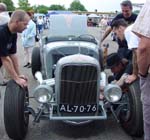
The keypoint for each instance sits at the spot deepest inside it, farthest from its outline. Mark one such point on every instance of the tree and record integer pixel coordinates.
(24, 5)
(10, 4)
(77, 6)
(42, 9)
(56, 7)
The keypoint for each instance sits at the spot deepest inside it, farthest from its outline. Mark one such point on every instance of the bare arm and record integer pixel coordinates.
(15, 63)
(107, 32)
(134, 62)
(143, 55)
(7, 63)
(134, 74)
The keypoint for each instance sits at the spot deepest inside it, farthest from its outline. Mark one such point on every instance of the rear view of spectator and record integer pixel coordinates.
(104, 23)
(40, 23)
(90, 23)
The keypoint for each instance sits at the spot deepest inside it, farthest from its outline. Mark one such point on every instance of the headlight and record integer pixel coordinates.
(43, 93)
(112, 93)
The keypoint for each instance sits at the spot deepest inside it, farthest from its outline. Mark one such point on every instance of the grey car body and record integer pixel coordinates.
(68, 67)
(71, 61)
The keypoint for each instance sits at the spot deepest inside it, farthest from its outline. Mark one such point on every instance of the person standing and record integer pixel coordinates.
(8, 37)
(129, 17)
(28, 40)
(4, 18)
(40, 23)
(141, 28)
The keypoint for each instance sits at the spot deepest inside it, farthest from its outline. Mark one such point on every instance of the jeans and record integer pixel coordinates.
(145, 97)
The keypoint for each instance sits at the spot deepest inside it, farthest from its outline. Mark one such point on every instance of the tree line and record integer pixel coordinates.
(25, 5)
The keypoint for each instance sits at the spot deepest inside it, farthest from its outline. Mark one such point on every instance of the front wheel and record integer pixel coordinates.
(131, 116)
(36, 61)
(16, 117)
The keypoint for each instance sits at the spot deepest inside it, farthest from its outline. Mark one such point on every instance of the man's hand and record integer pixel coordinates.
(21, 81)
(130, 78)
(23, 77)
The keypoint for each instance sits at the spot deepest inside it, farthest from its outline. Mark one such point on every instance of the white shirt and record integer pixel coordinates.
(40, 21)
(4, 18)
(131, 38)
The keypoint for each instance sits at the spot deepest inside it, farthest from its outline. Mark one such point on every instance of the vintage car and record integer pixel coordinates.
(68, 66)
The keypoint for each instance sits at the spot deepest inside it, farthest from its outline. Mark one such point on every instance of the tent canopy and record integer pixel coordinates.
(93, 16)
(58, 12)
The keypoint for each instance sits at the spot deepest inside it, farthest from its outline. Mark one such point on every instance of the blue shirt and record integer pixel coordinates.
(28, 35)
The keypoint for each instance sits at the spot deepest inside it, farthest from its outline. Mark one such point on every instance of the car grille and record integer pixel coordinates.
(78, 85)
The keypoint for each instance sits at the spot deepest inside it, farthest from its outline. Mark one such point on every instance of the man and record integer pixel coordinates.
(120, 68)
(123, 31)
(8, 37)
(142, 29)
(40, 23)
(129, 17)
(28, 40)
(4, 18)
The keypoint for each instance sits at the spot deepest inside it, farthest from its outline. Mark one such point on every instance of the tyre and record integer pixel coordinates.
(35, 61)
(131, 116)
(16, 120)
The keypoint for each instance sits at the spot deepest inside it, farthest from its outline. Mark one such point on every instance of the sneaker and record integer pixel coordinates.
(26, 64)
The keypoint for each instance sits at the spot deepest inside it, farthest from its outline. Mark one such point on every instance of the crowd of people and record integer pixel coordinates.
(131, 60)
(133, 38)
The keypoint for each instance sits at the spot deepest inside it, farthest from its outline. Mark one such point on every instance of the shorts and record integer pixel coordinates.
(141, 25)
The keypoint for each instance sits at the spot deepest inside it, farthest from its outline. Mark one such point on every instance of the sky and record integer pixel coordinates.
(90, 5)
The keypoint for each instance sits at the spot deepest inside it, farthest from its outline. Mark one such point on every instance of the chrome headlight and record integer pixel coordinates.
(112, 93)
(43, 93)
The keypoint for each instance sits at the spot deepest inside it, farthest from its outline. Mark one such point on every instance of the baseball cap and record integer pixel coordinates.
(113, 60)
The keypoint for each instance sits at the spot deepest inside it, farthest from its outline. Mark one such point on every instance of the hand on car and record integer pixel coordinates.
(23, 77)
(21, 81)
(130, 78)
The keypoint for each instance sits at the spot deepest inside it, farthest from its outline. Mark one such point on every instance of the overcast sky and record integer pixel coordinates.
(90, 5)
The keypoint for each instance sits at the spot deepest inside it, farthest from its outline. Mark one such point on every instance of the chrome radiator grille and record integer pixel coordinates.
(78, 85)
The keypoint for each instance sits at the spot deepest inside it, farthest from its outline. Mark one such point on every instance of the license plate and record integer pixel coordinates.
(77, 108)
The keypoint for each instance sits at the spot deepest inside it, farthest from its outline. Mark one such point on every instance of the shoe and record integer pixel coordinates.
(26, 64)
(29, 66)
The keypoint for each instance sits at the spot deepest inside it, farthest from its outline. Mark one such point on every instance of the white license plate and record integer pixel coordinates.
(77, 108)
